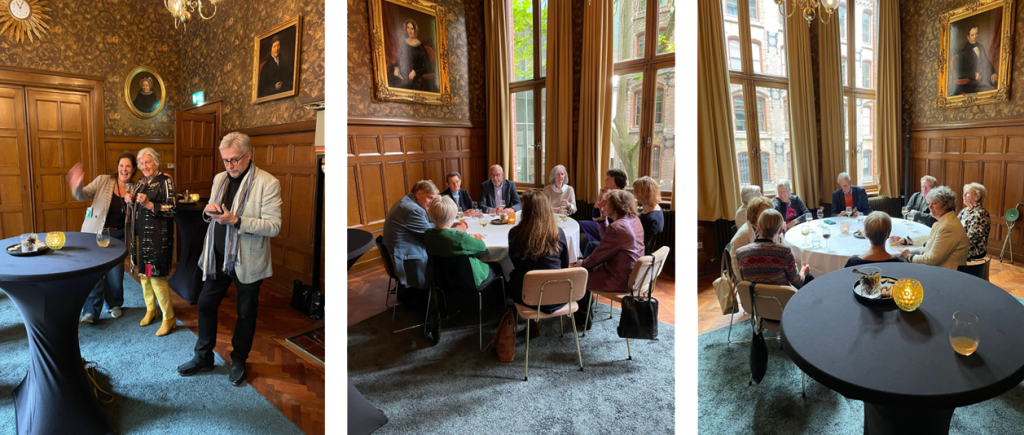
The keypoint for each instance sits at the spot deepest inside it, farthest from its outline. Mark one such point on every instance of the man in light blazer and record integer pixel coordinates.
(497, 189)
(244, 213)
(859, 198)
(917, 201)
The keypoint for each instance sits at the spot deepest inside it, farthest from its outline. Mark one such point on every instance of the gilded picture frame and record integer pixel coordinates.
(410, 51)
(975, 55)
(144, 92)
(276, 58)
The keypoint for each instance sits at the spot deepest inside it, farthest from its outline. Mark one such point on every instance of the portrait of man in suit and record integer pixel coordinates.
(974, 53)
(276, 70)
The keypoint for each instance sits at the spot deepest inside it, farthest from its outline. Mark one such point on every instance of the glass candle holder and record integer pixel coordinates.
(844, 227)
(908, 294)
(55, 240)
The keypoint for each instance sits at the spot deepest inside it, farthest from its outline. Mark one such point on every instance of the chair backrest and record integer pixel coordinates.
(727, 269)
(646, 270)
(649, 244)
(553, 283)
(771, 299)
(452, 273)
(977, 269)
(389, 261)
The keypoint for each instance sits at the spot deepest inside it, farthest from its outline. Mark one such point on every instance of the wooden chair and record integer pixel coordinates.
(552, 286)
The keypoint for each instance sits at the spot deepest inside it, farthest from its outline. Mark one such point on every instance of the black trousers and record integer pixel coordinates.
(209, 302)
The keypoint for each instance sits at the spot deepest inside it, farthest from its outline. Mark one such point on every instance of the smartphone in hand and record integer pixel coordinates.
(214, 212)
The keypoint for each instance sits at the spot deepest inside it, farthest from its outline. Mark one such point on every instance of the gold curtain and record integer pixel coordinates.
(496, 64)
(718, 187)
(831, 101)
(595, 100)
(803, 131)
(888, 119)
(558, 118)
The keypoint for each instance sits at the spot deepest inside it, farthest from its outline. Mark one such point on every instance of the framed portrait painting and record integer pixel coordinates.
(275, 70)
(976, 54)
(144, 92)
(410, 51)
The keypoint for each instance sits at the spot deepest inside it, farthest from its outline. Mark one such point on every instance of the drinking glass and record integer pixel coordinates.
(103, 238)
(905, 211)
(821, 213)
(808, 217)
(805, 229)
(963, 333)
(849, 211)
(826, 233)
(28, 242)
(815, 240)
(501, 204)
(911, 215)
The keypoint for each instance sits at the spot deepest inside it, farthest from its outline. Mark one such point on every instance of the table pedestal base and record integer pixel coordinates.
(881, 420)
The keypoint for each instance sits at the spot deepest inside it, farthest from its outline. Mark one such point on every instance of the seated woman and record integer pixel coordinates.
(767, 262)
(975, 220)
(748, 231)
(877, 227)
(947, 244)
(558, 192)
(789, 205)
(648, 194)
(621, 246)
(445, 241)
(535, 243)
(747, 193)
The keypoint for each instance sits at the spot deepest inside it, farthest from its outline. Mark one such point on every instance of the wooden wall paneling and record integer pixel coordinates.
(971, 172)
(935, 146)
(972, 145)
(918, 145)
(954, 180)
(1014, 144)
(397, 184)
(918, 168)
(15, 200)
(994, 144)
(435, 172)
(355, 213)
(196, 157)
(953, 145)
(935, 167)
(371, 177)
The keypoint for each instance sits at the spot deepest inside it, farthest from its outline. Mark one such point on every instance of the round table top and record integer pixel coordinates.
(359, 242)
(79, 256)
(881, 354)
(496, 236)
(843, 246)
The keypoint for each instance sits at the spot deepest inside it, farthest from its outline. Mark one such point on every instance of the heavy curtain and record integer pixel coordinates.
(831, 94)
(497, 66)
(595, 100)
(718, 189)
(558, 122)
(803, 130)
(887, 148)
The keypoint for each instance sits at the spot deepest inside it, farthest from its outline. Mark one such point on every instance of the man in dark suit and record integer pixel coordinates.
(918, 201)
(849, 196)
(499, 189)
(456, 192)
(275, 71)
(974, 67)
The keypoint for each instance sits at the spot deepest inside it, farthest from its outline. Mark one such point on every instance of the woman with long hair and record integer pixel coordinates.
(535, 243)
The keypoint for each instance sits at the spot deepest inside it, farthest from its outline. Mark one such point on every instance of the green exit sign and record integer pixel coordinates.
(197, 97)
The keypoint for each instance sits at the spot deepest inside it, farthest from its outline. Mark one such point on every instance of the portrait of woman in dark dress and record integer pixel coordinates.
(146, 100)
(414, 69)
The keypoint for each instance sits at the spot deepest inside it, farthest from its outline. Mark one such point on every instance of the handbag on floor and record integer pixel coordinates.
(639, 318)
(758, 350)
(307, 300)
(505, 337)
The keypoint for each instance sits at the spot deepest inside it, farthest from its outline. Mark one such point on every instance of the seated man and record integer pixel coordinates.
(918, 202)
(403, 234)
(614, 179)
(498, 189)
(854, 197)
(455, 191)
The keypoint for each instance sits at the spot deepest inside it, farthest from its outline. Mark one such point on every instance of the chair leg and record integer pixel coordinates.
(480, 319)
(572, 320)
(394, 307)
(611, 304)
(803, 380)
(526, 377)
(731, 316)
(561, 328)
(628, 350)
(426, 318)
(587, 322)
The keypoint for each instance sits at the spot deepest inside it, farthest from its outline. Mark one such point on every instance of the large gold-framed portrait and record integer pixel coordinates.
(976, 54)
(410, 51)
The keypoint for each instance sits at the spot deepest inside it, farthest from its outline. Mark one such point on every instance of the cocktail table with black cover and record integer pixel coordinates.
(56, 395)
(359, 242)
(901, 364)
(187, 279)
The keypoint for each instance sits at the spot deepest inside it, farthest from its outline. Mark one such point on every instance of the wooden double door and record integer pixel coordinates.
(43, 133)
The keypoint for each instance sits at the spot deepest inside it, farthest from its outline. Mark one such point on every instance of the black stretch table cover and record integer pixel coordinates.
(56, 395)
(891, 358)
(359, 242)
(187, 279)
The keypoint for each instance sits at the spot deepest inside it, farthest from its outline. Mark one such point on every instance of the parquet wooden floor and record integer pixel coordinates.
(292, 384)
(709, 315)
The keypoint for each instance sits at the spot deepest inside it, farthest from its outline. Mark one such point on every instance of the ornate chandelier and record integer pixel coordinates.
(809, 8)
(182, 10)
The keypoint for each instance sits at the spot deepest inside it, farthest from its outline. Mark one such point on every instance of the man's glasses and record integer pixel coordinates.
(233, 161)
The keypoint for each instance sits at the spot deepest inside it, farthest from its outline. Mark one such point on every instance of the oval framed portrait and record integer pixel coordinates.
(144, 92)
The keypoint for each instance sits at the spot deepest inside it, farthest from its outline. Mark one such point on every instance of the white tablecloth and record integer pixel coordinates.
(842, 247)
(496, 239)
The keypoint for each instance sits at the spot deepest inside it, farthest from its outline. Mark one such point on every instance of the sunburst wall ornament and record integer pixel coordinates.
(21, 18)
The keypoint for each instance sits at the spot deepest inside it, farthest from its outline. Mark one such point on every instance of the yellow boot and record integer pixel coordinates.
(150, 315)
(166, 327)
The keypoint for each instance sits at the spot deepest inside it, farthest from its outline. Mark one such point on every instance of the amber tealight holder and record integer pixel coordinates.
(908, 294)
(55, 240)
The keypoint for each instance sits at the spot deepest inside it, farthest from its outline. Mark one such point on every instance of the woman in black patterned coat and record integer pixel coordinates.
(153, 237)
(975, 220)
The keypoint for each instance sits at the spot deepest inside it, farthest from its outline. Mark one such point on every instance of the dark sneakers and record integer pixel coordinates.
(237, 375)
(194, 366)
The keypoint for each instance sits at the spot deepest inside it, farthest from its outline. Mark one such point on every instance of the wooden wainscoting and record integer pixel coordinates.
(114, 146)
(287, 152)
(386, 157)
(988, 152)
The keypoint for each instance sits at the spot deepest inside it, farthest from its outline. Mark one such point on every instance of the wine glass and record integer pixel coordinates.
(808, 217)
(905, 212)
(849, 211)
(963, 333)
(821, 213)
(805, 229)
(103, 238)
(501, 204)
(826, 232)
(912, 215)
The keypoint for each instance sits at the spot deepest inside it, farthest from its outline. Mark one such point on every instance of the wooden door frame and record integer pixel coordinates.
(61, 81)
(215, 108)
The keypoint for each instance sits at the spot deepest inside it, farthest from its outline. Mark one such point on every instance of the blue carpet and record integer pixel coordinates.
(139, 369)
(727, 405)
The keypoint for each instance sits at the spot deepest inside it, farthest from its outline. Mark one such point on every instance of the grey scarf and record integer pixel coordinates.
(208, 258)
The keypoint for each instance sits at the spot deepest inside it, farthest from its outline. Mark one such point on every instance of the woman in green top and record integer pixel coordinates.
(446, 241)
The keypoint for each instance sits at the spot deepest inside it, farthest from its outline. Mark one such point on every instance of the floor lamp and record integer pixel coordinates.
(1011, 219)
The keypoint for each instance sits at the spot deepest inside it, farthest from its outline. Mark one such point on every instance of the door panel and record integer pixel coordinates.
(15, 201)
(59, 136)
(195, 152)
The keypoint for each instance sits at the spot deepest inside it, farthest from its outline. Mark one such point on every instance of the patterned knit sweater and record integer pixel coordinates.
(766, 262)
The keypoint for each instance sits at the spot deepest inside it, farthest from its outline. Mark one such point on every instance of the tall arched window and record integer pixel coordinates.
(859, 45)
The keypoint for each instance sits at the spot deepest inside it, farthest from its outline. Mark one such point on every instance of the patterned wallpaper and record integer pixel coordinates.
(919, 36)
(108, 39)
(465, 28)
(217, 58)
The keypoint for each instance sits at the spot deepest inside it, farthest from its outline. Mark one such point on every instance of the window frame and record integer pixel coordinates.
(760, 56)
(870, 34)
(739, 50)
(852, 91)
(538, 86)
(762, 116)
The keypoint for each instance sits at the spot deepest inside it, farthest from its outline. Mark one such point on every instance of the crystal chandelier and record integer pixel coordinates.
(182, 10)
(809, 8)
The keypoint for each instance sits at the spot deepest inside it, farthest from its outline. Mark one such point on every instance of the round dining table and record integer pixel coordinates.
(359, 243)
(496, 239)
(840, 247)
(901, 364)
(49, 290)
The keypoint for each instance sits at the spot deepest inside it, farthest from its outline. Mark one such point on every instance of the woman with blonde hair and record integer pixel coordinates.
(652, 219)
(748, 231)
(877, 227)
(152, 247)
(975, 220)
(558, 190)
(445, 241)
(747, 193)
(535, 243)
(767, 262)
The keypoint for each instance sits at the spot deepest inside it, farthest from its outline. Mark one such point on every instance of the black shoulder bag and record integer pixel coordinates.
(758, 350)
(639, 318)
